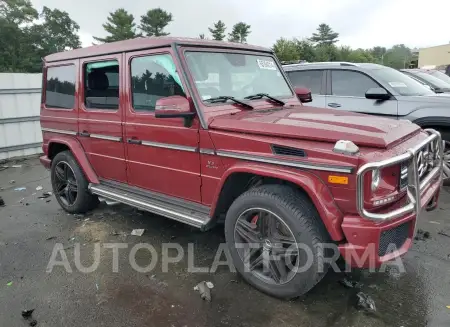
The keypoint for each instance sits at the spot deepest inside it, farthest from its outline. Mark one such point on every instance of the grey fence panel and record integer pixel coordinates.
(20, 130)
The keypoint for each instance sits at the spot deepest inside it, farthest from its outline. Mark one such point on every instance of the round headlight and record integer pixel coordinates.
(375, 179)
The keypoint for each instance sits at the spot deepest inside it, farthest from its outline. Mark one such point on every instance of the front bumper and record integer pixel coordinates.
(375, 238)
(369, 244)
(45, 161)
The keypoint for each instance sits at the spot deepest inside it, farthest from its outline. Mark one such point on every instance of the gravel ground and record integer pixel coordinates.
(30, 228)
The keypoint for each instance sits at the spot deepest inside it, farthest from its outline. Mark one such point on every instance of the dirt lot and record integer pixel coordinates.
(30, 228)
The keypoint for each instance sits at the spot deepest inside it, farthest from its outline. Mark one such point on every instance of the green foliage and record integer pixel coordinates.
(218, 32)
(57, 33)
(326, 52)
(17, 12)
(201, 36)
(399, 56)
(239, 33)
(359, 55)
(154, 22)
(378, 54)
(321, 47)
(120, 25)
(324, 36)
(24, 40)
(286, 50)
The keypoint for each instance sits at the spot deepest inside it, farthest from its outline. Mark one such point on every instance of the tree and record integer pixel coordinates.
(17, 11)
(120, 26)
(346, 53)
(201, 36)
(399, 56)
(239, 33)
(15, 52)
(154, 22)
(378, 53)
(324, 36)
(326, 52)
(58, 32)
(306, 50)
(286, 50)
(218, 32)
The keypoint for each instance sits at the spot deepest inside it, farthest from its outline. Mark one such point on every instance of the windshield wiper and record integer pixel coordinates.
(265, 95)
(225, 98)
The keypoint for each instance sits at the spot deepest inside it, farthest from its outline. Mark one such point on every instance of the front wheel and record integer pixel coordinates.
(446, 166)
(69, 184)
(275, 237)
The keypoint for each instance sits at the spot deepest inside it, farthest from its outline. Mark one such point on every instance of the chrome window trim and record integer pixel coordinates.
(59, 131)
(169, 146)
(106, 137)
(288, 163)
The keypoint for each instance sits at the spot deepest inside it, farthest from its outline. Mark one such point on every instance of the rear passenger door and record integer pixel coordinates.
(313, 80)
(348, 92)
(100, 116)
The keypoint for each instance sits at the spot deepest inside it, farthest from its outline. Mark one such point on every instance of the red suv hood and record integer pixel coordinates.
(318, 124)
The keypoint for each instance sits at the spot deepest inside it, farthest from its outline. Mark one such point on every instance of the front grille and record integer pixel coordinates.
(396, 236)
(424, 162)
(403, 175)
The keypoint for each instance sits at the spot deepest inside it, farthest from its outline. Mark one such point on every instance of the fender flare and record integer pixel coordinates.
(79, 154)
(316, 189)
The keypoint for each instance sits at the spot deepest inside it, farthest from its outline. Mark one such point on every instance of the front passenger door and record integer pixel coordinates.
(348, 92)
(161, 153)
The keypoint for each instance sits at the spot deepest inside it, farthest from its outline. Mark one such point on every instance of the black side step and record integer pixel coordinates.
(161, 205)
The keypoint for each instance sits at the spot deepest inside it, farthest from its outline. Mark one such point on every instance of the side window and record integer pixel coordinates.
(153, 77)
(101, 85)
(349, 83)
(60, 87)
(311, 79)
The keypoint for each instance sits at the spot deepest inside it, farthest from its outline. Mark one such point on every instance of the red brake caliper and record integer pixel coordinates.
(255, 219)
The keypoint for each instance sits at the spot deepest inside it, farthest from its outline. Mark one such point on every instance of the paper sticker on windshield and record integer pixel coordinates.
(266, 64)
(397, 84)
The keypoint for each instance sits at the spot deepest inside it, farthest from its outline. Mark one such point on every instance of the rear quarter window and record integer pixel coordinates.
(60, 87)
(311, 79)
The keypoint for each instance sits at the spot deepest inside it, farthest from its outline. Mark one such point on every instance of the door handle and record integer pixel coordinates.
(134, 140)
(85, 133)
(334, 105)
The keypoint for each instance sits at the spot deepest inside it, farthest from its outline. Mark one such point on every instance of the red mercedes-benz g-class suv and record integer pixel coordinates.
(203, 131)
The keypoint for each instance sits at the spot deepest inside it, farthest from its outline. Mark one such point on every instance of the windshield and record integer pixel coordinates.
(441, 76)
(401, 83)
(432, 80)
(236, 75)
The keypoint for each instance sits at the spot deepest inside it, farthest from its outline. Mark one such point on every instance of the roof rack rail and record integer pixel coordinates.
(340, 63)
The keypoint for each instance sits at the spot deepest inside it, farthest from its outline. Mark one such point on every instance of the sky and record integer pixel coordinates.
(361, 24)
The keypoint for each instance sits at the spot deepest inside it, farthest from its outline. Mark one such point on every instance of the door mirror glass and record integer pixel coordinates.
(303, 94)
(377, 93)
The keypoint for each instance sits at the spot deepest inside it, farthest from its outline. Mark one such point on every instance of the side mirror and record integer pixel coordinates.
(303, 94)
(174, 106)
(377, 93)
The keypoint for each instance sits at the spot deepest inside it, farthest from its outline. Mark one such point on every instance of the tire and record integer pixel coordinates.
(84, 200)
(301, 217)
(445, 134)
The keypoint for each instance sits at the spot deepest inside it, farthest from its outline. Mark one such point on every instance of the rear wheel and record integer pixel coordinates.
(275, 238)
(70, 185)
